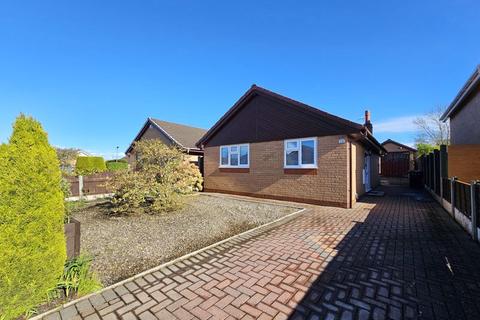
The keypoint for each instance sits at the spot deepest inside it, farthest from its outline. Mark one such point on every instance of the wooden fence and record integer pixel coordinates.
(94, 184)
(460, 198)
(395, 164)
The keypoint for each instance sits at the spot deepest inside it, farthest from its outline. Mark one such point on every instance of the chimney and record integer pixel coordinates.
(368, 123)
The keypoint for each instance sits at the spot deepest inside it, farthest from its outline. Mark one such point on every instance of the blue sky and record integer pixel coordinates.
(93, 71)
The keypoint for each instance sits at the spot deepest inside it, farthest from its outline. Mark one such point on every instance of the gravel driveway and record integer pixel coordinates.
(124, 246)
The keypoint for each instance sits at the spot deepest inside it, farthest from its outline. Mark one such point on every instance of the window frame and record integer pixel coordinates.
(300, 154)
(229, 146)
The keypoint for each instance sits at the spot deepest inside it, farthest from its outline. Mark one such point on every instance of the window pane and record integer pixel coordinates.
(292, 158)
(308, 153)
(224, 160)
(292, 145)
(244, 155)
(234, 149)
(234, 159)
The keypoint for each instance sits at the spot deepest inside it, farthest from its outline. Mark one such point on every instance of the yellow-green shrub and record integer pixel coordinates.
(32, 243)
(89, 165)
(163, 174)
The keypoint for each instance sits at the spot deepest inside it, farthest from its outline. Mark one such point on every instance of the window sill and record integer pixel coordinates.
(303, 171)
(234, 170)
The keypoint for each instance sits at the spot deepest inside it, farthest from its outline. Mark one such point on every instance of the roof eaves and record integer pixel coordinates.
(462, 94)
(373, 141)
(150, 121)
(230, 112)
(308, 108)
(254, 89)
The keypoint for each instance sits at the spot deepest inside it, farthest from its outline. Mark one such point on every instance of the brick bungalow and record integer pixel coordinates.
(169, 133)
(464, 116)
(270, 146)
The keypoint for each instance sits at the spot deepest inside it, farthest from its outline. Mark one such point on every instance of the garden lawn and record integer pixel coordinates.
(124, 246)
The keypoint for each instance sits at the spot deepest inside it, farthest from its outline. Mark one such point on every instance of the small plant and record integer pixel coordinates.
(89, 165)
(77, 277)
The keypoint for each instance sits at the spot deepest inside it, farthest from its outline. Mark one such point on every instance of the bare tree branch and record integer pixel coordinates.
(431, 130)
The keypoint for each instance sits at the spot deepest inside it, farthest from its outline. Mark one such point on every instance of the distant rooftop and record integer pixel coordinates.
(186, 136)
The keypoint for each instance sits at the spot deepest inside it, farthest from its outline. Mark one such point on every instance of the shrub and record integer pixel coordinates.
(113, 165)
(89, 165)
(32, 242)
(163, 174)
(77, 277)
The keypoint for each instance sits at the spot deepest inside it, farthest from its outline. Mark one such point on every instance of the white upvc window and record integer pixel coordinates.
(300, 153)
(235, 156)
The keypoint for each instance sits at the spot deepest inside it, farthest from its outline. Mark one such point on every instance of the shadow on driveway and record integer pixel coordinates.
(407, 260)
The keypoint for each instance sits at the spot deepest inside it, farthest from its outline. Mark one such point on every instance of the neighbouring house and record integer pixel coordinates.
(172, 134)
(464, 116)
(68, 158)
(270, 146)
(399, 160)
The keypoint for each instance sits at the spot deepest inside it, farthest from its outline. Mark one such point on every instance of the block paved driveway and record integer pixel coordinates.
(398, 256)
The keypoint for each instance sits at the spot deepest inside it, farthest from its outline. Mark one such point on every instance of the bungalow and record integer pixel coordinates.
(464, 116)
(170, 133)
(270, 146)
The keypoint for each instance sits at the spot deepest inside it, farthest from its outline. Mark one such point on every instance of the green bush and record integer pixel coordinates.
(77, 278)
(32, 243)
(163, 174)
(113, 165)
(89, 165)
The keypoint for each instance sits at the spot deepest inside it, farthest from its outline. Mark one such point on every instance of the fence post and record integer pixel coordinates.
(473, 202)
(443, 167)
(452, 195)
(435, 170)
(80, 187)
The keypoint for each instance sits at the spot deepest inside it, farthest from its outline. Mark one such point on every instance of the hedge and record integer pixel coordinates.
(89, 165)
(113, 165)
(32, 242)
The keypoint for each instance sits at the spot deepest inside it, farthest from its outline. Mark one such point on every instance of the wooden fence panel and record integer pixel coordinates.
(395, 164)
(92, 184)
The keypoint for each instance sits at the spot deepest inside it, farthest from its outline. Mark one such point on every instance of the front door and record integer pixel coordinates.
(366, 173)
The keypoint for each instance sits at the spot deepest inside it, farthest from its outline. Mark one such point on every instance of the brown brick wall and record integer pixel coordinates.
(464, 161)
(267, 178)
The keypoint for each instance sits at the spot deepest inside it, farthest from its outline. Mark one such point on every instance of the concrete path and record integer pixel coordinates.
(394, 257)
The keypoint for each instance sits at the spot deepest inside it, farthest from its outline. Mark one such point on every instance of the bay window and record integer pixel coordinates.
(235, 156)
(300, 153)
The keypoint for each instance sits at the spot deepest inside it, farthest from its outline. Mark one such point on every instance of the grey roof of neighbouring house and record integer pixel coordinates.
(184, 136)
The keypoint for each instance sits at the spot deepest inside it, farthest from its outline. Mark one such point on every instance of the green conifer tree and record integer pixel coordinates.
(32, 242)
